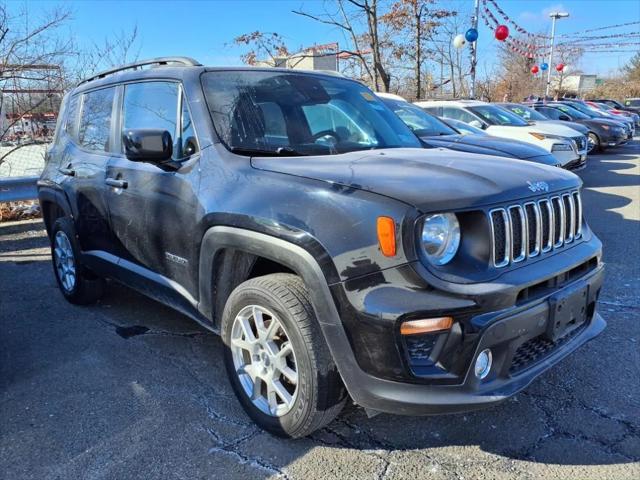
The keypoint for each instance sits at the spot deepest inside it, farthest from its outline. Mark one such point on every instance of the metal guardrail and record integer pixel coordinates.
(15, 189)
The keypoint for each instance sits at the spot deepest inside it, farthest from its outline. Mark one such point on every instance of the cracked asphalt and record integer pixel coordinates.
(131, 389)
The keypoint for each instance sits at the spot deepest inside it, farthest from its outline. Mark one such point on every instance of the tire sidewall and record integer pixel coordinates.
(296, 418)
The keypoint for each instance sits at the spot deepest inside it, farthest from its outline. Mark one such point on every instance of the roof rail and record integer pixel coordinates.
(160, 61)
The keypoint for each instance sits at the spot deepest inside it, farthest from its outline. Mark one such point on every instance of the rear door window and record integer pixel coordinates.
(94, 130)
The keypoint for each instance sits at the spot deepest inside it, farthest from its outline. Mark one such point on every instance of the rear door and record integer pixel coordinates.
(83, 165)
(153, 210)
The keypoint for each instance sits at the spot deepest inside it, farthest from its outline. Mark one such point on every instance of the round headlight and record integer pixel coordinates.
(440, 237)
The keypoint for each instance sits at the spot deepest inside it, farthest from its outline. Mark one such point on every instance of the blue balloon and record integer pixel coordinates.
(544, 66)
(471, 35)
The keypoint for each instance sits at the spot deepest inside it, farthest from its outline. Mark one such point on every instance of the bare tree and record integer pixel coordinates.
(413, 23)
(264, 47)
(31, 81)
(118, 49)
(359, 21)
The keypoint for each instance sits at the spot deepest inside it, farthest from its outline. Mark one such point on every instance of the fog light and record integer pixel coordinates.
(483, 364)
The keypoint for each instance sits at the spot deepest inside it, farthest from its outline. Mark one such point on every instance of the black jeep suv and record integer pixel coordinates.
(296, 215)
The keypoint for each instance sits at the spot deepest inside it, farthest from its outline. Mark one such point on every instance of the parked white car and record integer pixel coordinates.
(561, 141)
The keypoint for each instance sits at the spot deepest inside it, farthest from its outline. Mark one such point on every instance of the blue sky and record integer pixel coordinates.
(204, 29)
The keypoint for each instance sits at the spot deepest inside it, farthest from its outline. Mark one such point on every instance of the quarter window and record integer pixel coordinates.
(188, 142)
(71, 123)
(95, 121)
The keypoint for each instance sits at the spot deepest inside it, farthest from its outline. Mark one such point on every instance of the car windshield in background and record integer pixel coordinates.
(463, 128)
(632, 103)
(575, 114)
(588, 111)
(282, 113)
(420, 122)
(498, 116)
(527, 113)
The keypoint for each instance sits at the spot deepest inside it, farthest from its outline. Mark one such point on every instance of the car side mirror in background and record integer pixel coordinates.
(565, 118)
(147, 145)
(476, 123)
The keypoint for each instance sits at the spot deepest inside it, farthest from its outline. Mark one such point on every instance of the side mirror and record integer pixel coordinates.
(476, 123)
(147, 145)
(564, 118)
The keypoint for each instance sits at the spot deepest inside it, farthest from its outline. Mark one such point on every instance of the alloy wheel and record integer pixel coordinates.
(64, 261)
(264, 360)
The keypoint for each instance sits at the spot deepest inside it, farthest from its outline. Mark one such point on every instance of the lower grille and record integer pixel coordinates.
(581, 142)
(534, 350)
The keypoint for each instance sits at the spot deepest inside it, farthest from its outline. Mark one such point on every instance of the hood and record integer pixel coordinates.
(429, 179)
(605, 121)
(555, 129)
(488, 145)
(572, 125)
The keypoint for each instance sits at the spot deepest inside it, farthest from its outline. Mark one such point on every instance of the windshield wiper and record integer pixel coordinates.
(279, 152)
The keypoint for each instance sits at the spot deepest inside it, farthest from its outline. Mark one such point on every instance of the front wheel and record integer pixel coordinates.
(593, 143)
(277, 360)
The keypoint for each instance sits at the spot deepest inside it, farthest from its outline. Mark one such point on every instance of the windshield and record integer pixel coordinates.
(572, 112)
(282, 113)
(525, 112)
(589, 112)
(420, 122)
(498, 116)
(632, 103)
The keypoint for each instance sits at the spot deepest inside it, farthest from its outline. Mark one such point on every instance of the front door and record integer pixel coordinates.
(153, 210)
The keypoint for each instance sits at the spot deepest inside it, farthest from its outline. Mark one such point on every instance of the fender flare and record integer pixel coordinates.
(302, 263)
(56, 197)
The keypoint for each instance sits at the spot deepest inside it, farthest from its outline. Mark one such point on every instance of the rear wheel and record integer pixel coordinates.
(277, 360)
(78, 285)
(593, 143)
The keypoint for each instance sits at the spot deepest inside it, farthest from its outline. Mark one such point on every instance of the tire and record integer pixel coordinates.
(318, 395)
(597, 146)
(79, 285)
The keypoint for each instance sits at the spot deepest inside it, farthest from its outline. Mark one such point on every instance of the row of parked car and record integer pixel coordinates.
(560, 133)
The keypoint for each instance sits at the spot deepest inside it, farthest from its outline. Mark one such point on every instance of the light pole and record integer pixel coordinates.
(474, 49)
(554, 16)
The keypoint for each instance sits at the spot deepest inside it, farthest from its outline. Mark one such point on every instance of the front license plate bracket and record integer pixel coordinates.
(567, 311)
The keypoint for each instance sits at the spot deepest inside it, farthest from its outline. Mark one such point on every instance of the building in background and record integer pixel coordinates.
(317, 57)
(578, 84)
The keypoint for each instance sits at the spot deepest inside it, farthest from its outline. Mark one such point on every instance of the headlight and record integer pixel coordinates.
(440, 237)
(546, 136)
(561, 147)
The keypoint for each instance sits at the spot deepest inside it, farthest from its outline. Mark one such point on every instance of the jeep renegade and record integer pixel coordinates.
(297, 216)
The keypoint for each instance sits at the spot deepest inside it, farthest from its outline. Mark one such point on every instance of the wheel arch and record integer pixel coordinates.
(53, 205)
(254, 246)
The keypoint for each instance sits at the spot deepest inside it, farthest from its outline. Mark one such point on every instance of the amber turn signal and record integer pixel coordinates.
(426, 325)
(387, 236)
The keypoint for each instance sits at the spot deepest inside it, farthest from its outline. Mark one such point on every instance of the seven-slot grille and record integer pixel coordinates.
(581, 142)
(523, 231)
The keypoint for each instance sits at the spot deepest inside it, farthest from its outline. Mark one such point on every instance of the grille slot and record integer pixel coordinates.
(558, 221)
(534, 230)
(569, 218)
(523, 231)
(518, 234)
(500, 232)
(578, 214)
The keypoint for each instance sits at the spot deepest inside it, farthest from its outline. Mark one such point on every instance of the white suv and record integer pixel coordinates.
(561, 141)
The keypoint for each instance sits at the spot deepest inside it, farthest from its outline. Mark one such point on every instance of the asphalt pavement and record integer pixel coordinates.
(131, 389)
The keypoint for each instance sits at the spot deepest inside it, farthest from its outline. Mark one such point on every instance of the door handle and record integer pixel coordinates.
(67, 171)
(112, 182)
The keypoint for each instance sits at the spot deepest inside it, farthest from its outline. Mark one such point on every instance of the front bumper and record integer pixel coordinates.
(511, 329)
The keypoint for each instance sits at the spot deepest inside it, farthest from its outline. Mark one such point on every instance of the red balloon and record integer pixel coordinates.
(502, 32)
(535, 69)
(560, 67)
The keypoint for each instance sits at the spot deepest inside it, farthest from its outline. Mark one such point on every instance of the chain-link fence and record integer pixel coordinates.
(21, 160)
